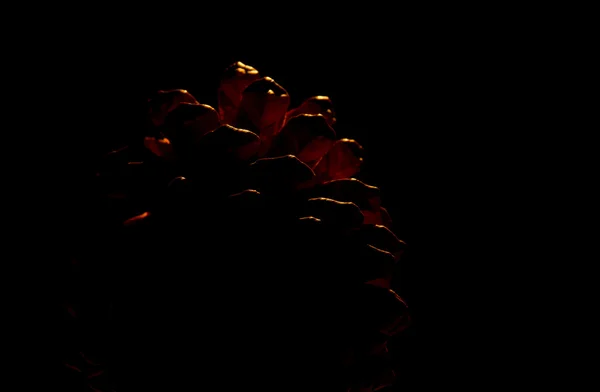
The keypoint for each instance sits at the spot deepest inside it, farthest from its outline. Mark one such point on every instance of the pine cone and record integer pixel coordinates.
(262, 257)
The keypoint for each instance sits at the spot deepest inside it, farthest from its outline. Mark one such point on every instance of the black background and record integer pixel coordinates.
(437, 107)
